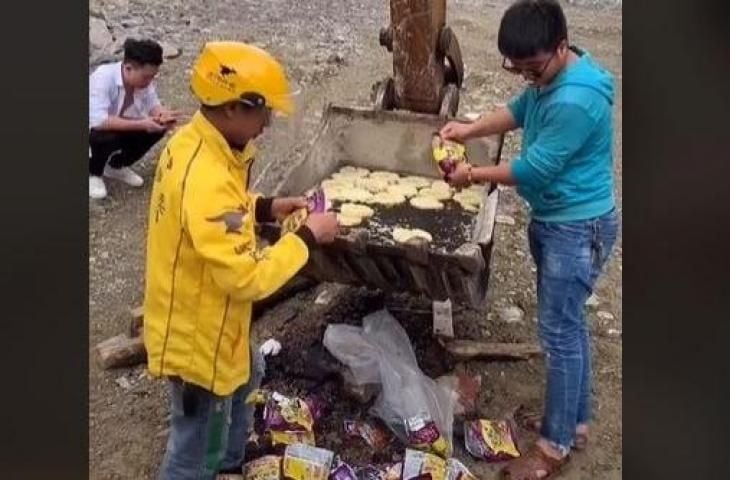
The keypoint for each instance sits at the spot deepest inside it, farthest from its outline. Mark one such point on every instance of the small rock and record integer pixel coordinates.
(323, 298)
(612, 332)
(100, 38)
(605, 315)
(120, 5)
(593, 301)
(336, 59)
(163, 433)
(96, 11)
(123, 382)
(104, 255)
(504, 220)
(512, 314)
(170, 51)
(132, 22)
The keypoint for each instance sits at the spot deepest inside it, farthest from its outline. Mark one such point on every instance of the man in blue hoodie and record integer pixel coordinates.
(565, 172)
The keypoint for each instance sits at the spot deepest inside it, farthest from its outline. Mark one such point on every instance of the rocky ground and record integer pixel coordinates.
(332, 54)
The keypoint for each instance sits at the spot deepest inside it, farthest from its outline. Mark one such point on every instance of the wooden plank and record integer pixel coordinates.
(485, 221)
(121, 351)
(135, 323)
(469, 257)
(472, 349)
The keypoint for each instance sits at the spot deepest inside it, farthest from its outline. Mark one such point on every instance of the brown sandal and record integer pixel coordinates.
(533, 421)
(535, 460)
(580, 442)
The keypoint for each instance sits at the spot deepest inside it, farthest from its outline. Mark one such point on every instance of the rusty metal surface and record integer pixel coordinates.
(395, 141)
(418, 69)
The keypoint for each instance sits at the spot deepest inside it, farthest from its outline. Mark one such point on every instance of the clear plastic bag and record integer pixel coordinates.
(418, 410)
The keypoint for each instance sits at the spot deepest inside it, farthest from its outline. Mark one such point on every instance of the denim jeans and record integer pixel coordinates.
(569, 258)
(211, 436)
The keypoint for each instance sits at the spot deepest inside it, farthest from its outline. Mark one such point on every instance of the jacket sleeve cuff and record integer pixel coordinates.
(263, 210)
(307, 236)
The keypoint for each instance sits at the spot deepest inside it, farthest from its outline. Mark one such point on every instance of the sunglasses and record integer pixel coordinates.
(528, 72)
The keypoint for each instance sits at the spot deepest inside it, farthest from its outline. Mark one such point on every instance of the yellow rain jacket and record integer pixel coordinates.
(203, 267)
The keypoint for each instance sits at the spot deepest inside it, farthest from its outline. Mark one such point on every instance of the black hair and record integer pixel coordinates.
(529, 27)
(142, 52)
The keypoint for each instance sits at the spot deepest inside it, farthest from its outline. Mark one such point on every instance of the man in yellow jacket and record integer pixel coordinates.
(204, 268)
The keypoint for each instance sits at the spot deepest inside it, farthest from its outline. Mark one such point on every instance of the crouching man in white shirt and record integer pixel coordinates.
(125, 115)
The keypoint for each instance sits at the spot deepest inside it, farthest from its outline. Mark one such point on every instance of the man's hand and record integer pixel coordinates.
(149, 125)
(459, 177)
(323, 226)
(166, 118)
(284, 206)
(456, 131)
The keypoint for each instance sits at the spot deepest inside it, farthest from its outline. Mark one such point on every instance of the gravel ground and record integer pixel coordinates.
(332, 54)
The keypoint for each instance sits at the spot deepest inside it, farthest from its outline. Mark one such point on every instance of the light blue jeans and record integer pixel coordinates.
(569, 257)
(211, 436)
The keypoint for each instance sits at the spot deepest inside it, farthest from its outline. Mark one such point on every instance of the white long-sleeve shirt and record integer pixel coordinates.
(106, 96)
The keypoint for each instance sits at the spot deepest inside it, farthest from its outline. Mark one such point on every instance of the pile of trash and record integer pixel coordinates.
(417, 410)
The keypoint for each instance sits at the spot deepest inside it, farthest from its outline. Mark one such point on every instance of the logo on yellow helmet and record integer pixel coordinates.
(226, 70)
(220, 78)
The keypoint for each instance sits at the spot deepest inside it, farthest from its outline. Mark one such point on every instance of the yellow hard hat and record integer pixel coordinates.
(229, 71)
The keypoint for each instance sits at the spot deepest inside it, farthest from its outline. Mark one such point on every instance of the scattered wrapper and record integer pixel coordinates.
(375, 437)
(264, 468)
(491, 441)
(423, 434)
(417, 465)
(304, 462)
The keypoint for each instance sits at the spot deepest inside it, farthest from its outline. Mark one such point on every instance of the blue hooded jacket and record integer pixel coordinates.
(565, 168)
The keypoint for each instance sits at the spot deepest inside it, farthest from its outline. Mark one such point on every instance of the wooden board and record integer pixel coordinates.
(471, 349)
(121, 351)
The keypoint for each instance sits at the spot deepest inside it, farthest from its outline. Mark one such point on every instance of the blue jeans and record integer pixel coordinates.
(569, 258)
(211, 436)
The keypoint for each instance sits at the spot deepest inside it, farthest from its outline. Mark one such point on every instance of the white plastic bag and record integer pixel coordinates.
(410, 403)
(348, 345)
